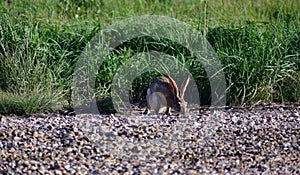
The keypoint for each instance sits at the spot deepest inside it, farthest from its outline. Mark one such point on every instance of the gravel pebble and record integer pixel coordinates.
(236, 140)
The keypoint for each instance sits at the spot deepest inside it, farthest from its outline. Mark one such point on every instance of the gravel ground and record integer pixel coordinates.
(262, 139)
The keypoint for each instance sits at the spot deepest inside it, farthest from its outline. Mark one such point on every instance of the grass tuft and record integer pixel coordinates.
(258, 43)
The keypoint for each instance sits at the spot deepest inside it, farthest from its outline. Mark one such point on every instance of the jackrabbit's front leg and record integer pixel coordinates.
(168, 111)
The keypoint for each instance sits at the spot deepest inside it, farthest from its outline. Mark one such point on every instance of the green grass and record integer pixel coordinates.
(258, 43)
(263, 62)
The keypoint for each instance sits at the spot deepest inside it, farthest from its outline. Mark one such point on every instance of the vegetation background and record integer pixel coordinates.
(257, 41)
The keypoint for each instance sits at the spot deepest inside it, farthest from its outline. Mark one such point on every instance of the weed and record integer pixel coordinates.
(40, 43)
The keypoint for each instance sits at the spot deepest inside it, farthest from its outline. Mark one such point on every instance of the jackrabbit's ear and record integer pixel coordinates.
(184, 85)
(173, 84)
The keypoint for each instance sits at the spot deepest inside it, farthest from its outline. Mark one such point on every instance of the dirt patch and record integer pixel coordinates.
(256, 139)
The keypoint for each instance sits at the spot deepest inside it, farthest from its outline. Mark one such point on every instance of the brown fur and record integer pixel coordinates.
(169, 90)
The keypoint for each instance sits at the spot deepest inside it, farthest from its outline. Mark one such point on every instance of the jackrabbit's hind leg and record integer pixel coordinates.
(157, 109)
(147, 110)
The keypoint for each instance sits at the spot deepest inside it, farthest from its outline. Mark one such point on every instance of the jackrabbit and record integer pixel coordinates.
(162, 95)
